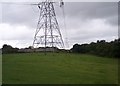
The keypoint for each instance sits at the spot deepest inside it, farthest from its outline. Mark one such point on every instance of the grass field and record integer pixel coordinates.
(59, 68)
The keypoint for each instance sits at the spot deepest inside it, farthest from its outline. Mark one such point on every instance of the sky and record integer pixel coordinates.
(81, 22)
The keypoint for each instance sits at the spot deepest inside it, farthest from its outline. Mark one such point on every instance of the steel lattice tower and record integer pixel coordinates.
(48, 32)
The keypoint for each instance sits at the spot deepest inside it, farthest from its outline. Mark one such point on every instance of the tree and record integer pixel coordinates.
(76, 48)
(101, 48)
(9, 49)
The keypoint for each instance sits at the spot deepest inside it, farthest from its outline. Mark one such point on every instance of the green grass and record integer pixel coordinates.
(59, 68)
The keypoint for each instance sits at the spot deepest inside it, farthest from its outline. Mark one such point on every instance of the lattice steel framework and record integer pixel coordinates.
(48, 32)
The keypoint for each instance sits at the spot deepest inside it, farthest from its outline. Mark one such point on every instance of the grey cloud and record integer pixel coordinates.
(93, 10)
(19, 14)
(112, 20)
(22, 14)
(78, 16)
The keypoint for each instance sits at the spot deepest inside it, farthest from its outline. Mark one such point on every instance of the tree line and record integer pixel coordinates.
(100, 48)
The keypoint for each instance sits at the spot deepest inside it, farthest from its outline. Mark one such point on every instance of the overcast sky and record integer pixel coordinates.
(85, 22)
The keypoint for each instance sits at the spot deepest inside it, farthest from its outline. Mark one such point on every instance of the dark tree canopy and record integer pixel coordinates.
(9, 49)
(101, 48)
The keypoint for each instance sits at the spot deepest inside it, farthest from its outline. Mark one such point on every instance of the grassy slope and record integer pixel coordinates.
(58, 69)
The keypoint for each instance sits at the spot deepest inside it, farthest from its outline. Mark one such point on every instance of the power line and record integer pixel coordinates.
(64, 18)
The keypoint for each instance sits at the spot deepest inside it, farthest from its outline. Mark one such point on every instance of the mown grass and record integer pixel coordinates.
(59, 68)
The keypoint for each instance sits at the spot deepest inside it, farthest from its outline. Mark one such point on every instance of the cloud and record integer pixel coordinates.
(85, 22)
(96, 28)
(92, 10)
(27, 14)
(17, 36)
(92, 30)
(20, 14)
(14, 32)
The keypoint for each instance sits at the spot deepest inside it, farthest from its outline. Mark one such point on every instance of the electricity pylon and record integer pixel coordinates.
(48, 32)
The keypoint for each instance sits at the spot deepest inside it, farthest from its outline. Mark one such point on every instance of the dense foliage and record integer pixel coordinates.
(9, 49)
(101, 48)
